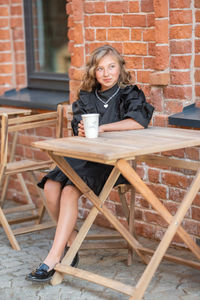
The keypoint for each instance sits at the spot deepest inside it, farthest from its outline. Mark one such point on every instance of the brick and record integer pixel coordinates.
(180, 77)
(157, 78)
(180, 62)
(136, 34)
(196, 4)
(156, 98)
(4, 34)
(116, 21)
(4, 11)
(4, 80)
(135, 48)
(151, 48)
(161, 31)
(180, 32)
(134, 6)
(197, 46)
(89, 34)
(118, 34)
(117, 6)
(149, 35)
(197, 92)
(100, 7)
(174, 179)
(197, 31)
(78, 33)
(101, 35)
(150, 20)
(143, 76)
(134, 20)
(181, 17)
(4, 22)
(192, 153)
(146, 231)
(154, 175)
(180, 153)
(179, 4)
(197, 75)
(173, 106)
(154, 218)
(18, 34)
(149, 62)
(16, 22)
(5, 69)
(4, 2)
(147, 5)
(89, 7)
(77, 8)
(44, 132)
(197, 16)
(69, 9)
(161, 8)
(5, 57)
(180, 47)
(178, 92)
(133, 62)
(77, 59)
(176, 194)
(162, 58)
(16, 10)
(99, 21)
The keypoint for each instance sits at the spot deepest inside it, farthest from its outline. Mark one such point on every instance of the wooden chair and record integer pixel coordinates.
(110, 240)
(9, 166)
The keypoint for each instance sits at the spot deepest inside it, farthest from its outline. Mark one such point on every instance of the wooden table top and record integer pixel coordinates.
(14, 111)
(111, 146)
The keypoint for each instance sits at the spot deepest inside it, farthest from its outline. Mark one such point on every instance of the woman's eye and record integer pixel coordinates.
(112, 66)
(99, 69)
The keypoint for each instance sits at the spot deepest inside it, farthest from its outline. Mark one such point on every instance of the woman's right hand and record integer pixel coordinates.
(81, 131)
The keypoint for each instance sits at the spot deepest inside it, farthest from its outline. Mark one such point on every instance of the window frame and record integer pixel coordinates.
(39, 80)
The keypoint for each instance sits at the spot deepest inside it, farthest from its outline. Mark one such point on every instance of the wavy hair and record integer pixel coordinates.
(89, 82)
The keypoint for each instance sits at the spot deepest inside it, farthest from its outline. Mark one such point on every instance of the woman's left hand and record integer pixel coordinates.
(81, 131)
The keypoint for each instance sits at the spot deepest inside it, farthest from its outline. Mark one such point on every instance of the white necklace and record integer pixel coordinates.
(105, 104)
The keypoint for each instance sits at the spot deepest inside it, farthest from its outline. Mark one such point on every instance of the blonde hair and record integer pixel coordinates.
(89, 82)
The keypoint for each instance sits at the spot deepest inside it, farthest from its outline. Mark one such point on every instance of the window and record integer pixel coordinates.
(48, 58)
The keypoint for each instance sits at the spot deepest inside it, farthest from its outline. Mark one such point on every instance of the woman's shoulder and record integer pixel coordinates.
(131, 90)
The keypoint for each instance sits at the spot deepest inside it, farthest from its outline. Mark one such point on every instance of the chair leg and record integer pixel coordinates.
(4, 189)
(131, 224)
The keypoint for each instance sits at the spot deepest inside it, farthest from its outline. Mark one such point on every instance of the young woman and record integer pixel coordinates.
(106, 89)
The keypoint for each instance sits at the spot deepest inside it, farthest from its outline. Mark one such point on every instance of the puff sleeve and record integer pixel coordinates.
(133, 105)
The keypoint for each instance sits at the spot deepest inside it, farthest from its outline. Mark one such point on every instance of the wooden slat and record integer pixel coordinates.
(25, 165)
(113, 284)
(32, 118)
(19, 208)
(170, 162)
(33, 228)
(105, 245)
(31, 125)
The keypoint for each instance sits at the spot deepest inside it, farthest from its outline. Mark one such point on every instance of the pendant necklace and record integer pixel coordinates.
(105, 104)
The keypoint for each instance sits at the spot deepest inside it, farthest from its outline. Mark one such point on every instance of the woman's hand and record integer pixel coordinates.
(81, 131)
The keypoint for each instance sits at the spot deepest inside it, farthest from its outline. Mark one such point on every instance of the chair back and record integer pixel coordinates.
(17, 124)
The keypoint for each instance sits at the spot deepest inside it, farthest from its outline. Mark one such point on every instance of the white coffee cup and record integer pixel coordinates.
(91, 125)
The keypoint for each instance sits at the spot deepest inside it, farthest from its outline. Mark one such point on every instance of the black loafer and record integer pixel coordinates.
(75, 261)
(41, 274)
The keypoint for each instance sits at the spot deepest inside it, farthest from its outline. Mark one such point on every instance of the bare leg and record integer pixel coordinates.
(66, 222)
(52, 191)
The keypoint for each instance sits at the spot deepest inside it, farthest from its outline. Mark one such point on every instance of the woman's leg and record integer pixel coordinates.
(66, 222)
(52, 191)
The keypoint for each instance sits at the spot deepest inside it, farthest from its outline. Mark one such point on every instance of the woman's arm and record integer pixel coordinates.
(127, 124)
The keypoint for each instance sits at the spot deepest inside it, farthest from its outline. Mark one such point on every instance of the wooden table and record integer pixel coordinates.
(117, 148)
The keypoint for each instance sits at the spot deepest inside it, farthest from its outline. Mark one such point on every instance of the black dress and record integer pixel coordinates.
(129, 102)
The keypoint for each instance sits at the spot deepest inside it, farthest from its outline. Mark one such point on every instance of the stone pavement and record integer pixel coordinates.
(171, 282)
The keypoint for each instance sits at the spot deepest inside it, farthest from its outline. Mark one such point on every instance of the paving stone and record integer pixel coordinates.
(171, 282)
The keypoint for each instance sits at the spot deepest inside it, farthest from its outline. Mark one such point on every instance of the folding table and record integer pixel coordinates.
(117, 149)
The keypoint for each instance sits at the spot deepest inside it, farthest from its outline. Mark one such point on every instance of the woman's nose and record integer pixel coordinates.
(106, 72)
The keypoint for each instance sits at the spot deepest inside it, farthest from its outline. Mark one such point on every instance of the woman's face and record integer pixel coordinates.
(107, 72)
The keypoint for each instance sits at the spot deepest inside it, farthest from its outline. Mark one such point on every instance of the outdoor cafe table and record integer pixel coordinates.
(117, 149)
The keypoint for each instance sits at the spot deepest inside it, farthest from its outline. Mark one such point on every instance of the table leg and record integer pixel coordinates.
(166, 240)
(139, 185)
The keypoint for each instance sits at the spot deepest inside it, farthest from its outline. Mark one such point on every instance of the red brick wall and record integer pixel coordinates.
(160, 40)
(12, 45)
